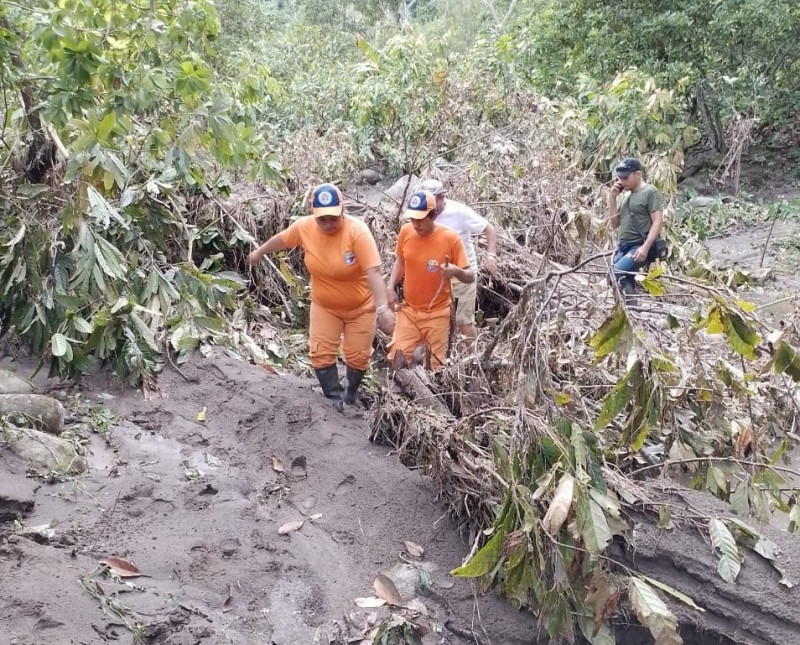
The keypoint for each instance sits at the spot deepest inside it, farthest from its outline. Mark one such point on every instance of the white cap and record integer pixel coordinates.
(433, 186)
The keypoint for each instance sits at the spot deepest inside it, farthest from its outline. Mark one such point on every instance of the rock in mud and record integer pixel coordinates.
(399, 187)
(10, 384)
(369, 176)
(45, 412)
(45, 453)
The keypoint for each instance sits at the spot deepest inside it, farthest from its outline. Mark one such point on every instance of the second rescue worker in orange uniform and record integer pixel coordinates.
(346, 289)
(428, 256)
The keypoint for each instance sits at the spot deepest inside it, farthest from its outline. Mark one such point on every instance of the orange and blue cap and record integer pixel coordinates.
(327, 200)
(420, 204)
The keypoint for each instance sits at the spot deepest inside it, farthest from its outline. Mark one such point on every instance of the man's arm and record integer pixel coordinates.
(490, 263)
(398, 271)
(655, 230)
(272, 245)
(462, 275)
(613, 213)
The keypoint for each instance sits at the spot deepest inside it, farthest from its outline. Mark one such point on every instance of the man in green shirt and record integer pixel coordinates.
(638, 215)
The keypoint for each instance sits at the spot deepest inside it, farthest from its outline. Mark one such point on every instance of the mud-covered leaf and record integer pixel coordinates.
(290, 527)
(653, 613)
(686, 600)
(414, 550)
(369, 603)
(739, 499)
(785, 360)
(606, 339)
(385, 589)
(227, 605)
(794, 519)
(558, 510)
(729, 565)
(277, 464)
(484, 560)
(665, 519)
(767, 549)
(616, 400)
(122, 568)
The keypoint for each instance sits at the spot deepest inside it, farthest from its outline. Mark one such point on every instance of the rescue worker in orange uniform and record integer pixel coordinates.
(428, 257)
(347, 289)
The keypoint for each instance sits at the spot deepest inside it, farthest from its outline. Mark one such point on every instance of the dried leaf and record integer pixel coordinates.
(289, 527)
(369, 603)
(384, 588)
(559, 508)
(121, 568)
(414, 550)
(653, 613)
(201, 416)
(277, 464)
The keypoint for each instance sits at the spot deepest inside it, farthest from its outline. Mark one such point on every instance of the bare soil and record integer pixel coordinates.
(197, 505)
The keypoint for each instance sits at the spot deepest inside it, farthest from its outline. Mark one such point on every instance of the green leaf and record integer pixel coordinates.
(59, 344)
(105, 127)
(741, 337)
(786, 360)
(616, 400)
(484, 560)
(592, 524)
(715, 323)
(653, 613)
(722, 540)
(606, 339)
(82, 325)
(652, 284)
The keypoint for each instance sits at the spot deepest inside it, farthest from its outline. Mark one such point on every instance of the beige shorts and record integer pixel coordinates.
(466, 295)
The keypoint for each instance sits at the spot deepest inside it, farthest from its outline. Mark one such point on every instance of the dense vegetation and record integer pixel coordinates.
(146, 145)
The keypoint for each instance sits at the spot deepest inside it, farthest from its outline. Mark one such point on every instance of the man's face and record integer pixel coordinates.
(330, 224)
(631, 180)
(423, 227)
(440, 202)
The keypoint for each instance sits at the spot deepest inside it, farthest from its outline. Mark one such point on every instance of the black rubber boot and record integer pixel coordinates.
(328, 378)
(354, 378)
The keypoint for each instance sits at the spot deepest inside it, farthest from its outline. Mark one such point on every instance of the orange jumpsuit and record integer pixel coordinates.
(341, 302)
(425, 314)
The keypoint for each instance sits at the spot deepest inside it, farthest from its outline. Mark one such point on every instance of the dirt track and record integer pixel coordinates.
(197, 506)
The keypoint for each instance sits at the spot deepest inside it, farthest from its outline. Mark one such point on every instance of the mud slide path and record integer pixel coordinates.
(197, 506)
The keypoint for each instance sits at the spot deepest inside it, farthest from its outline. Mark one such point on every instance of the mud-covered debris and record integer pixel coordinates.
(385, 588)
(414, 550)
(290, 527)
(121, 568)
(277, 464)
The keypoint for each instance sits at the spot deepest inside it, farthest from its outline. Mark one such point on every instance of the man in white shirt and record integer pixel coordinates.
(467, 223)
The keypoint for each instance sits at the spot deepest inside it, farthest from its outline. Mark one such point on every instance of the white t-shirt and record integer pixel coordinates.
(466, 222)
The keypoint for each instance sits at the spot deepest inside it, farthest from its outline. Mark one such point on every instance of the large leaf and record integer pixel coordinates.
(484, 560)
(592, 524)
(741, 337)
(559, 508)
(616, 400)
(606, 339)
(653, 613)
(59, 344)
(722, 540)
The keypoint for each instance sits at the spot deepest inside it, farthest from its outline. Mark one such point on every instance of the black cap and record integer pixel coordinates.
(627, 166)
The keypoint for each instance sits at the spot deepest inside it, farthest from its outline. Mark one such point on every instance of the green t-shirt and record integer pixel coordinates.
(634, 214)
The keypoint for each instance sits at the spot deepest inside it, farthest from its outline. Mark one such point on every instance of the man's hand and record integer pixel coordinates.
(641, 254)
(391, 299)
(616, 189)
(490, 264)
(386, 322)
(254, 258)
(449, 270)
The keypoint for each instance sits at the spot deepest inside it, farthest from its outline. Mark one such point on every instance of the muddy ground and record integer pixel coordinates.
(197, 507)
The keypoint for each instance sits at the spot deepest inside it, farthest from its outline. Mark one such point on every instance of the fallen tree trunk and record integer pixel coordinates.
(759, 608)
(43, 411)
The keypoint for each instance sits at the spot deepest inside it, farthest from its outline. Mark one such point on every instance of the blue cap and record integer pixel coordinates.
(327, 201)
